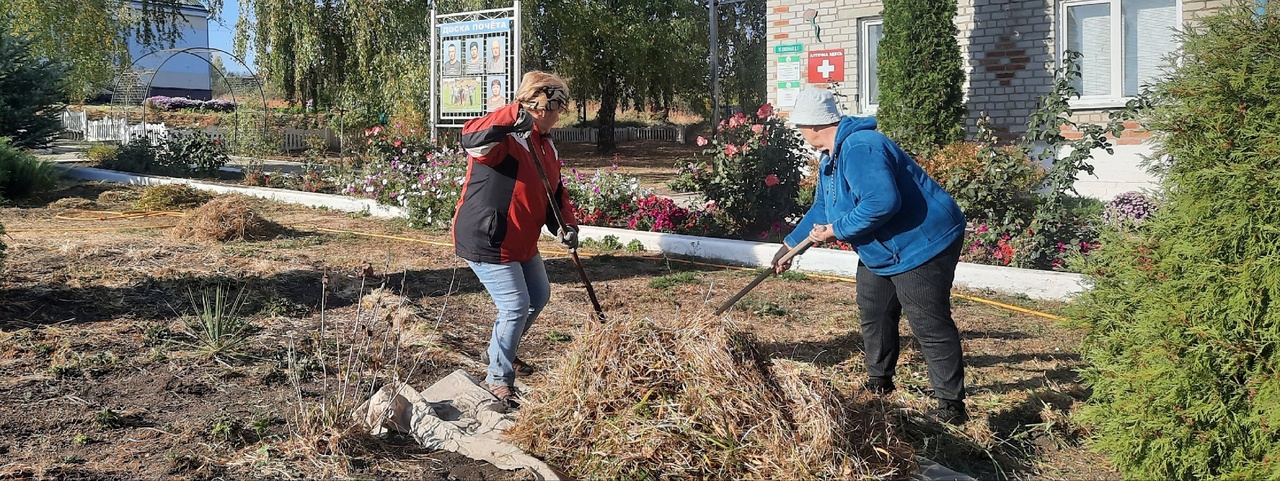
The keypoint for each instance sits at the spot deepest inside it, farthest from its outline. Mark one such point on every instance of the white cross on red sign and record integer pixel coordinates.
(826, 66)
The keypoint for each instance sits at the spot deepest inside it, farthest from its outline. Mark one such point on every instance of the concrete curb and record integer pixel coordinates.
(329, 201)
(1035, 284)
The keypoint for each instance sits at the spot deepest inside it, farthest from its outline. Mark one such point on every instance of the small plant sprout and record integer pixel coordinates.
(216, 328)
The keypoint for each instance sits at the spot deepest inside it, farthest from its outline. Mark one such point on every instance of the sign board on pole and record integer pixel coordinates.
(826, 66)
(476, 56)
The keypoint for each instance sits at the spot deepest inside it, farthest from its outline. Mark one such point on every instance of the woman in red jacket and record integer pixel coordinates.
(500, 215)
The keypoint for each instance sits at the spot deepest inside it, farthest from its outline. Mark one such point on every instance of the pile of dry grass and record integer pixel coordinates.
(224, 219)
(694, 399)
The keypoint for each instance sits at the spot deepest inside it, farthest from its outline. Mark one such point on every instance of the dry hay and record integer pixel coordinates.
(694, 399)
(226, 219)
(72, 203)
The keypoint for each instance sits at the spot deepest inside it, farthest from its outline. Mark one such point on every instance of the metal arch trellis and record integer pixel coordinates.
(136, 89)
(513, 70)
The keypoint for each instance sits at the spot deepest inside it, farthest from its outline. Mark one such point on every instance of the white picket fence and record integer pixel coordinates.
(77, 125)
(590, 135)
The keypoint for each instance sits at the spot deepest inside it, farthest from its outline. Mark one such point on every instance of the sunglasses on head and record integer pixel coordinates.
(551, 98)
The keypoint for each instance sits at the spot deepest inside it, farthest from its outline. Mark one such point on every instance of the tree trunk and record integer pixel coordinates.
(607, 116)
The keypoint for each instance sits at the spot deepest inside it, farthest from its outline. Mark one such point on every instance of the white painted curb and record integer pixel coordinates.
(1032, 283)
(329, 201)
(1036, 284)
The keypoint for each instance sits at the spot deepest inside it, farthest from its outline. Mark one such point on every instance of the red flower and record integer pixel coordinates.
(765, 111)
(771, 180)
(730, 150)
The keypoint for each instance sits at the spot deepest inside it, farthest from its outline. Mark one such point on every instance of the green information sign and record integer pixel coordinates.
(788, 48)
(788, 85)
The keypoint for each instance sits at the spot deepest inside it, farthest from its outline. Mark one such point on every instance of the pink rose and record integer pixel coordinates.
(757, 129)
(765, 111)
(771, 180)
(730, 150)
(702, 142)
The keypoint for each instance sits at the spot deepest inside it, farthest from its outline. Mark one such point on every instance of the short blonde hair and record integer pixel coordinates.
(543, 91)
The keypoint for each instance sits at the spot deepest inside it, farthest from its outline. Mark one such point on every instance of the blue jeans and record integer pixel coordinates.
(519, 290)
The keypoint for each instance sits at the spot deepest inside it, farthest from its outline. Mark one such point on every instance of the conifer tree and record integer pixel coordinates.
(31, 92)
(921, 79)
(1184, 341)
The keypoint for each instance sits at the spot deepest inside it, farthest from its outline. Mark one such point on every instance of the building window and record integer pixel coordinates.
(1123, 43)
(870, 31)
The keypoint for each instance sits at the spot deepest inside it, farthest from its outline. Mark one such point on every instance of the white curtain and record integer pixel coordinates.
(875, 32)
(1148, 38)
(1089, 32)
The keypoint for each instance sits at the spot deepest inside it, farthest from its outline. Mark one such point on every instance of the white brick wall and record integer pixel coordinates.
(1008, 49)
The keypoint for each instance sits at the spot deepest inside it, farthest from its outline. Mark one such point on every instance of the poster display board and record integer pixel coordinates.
(476, 60)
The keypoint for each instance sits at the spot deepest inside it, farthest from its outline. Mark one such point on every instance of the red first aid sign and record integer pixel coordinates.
(826, 66)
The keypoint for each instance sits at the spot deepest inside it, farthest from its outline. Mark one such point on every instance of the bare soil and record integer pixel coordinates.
(96, 383)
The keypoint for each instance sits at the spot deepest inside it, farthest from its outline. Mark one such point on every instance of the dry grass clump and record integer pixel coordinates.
(72, 203)
(224, 219)
(694, 399)
(171, 196)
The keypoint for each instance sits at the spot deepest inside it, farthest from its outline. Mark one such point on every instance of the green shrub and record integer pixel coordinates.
(1183, 336)
(101, 152)
(921, 76)
(193, 154)
(181, 155)
(22, 174)
(171, 196)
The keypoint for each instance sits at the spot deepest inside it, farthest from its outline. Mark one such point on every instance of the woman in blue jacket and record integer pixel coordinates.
(907, 231)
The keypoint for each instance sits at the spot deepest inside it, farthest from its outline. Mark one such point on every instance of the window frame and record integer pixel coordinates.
(1116, 98)
(864, 65)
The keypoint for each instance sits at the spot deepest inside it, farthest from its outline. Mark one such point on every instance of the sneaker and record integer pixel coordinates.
(508, 399)
(521, 368)
(879, 385)
(950, 412)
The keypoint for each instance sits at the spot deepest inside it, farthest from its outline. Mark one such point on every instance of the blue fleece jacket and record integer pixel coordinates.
(877, 199)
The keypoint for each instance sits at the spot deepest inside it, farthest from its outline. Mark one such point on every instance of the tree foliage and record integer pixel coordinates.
(623, 52)
(31, 93)
(92, 35)
(1184, 333)
(921, 79)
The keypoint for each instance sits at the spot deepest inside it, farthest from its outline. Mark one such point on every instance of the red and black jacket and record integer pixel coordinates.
(504, 204)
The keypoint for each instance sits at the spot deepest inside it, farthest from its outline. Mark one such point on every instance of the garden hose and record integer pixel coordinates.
(112, 215)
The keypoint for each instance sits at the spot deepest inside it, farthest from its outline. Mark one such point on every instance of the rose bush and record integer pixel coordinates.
(752, 174)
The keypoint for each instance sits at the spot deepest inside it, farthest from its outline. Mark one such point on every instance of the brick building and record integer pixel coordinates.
(1010, 48)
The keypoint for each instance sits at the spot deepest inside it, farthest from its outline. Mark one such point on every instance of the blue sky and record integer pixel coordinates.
(222, 31)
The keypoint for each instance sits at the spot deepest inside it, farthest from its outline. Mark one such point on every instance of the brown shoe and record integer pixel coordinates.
(508, 399)
(521, 368)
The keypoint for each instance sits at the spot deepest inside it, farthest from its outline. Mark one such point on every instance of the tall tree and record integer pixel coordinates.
(372, 54)
(92, 35)
(921, 79)
(622, 52)
(742, 54)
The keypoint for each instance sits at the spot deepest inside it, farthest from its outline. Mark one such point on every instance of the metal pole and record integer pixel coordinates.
(715, 81)
(513, 78)
(435, 81)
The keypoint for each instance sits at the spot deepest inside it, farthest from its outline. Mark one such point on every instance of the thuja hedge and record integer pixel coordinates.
(1184, 332)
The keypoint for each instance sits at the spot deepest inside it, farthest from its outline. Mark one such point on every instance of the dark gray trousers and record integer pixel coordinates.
(924, 294)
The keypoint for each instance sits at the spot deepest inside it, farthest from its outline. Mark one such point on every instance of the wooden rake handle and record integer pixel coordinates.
(768, 271)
